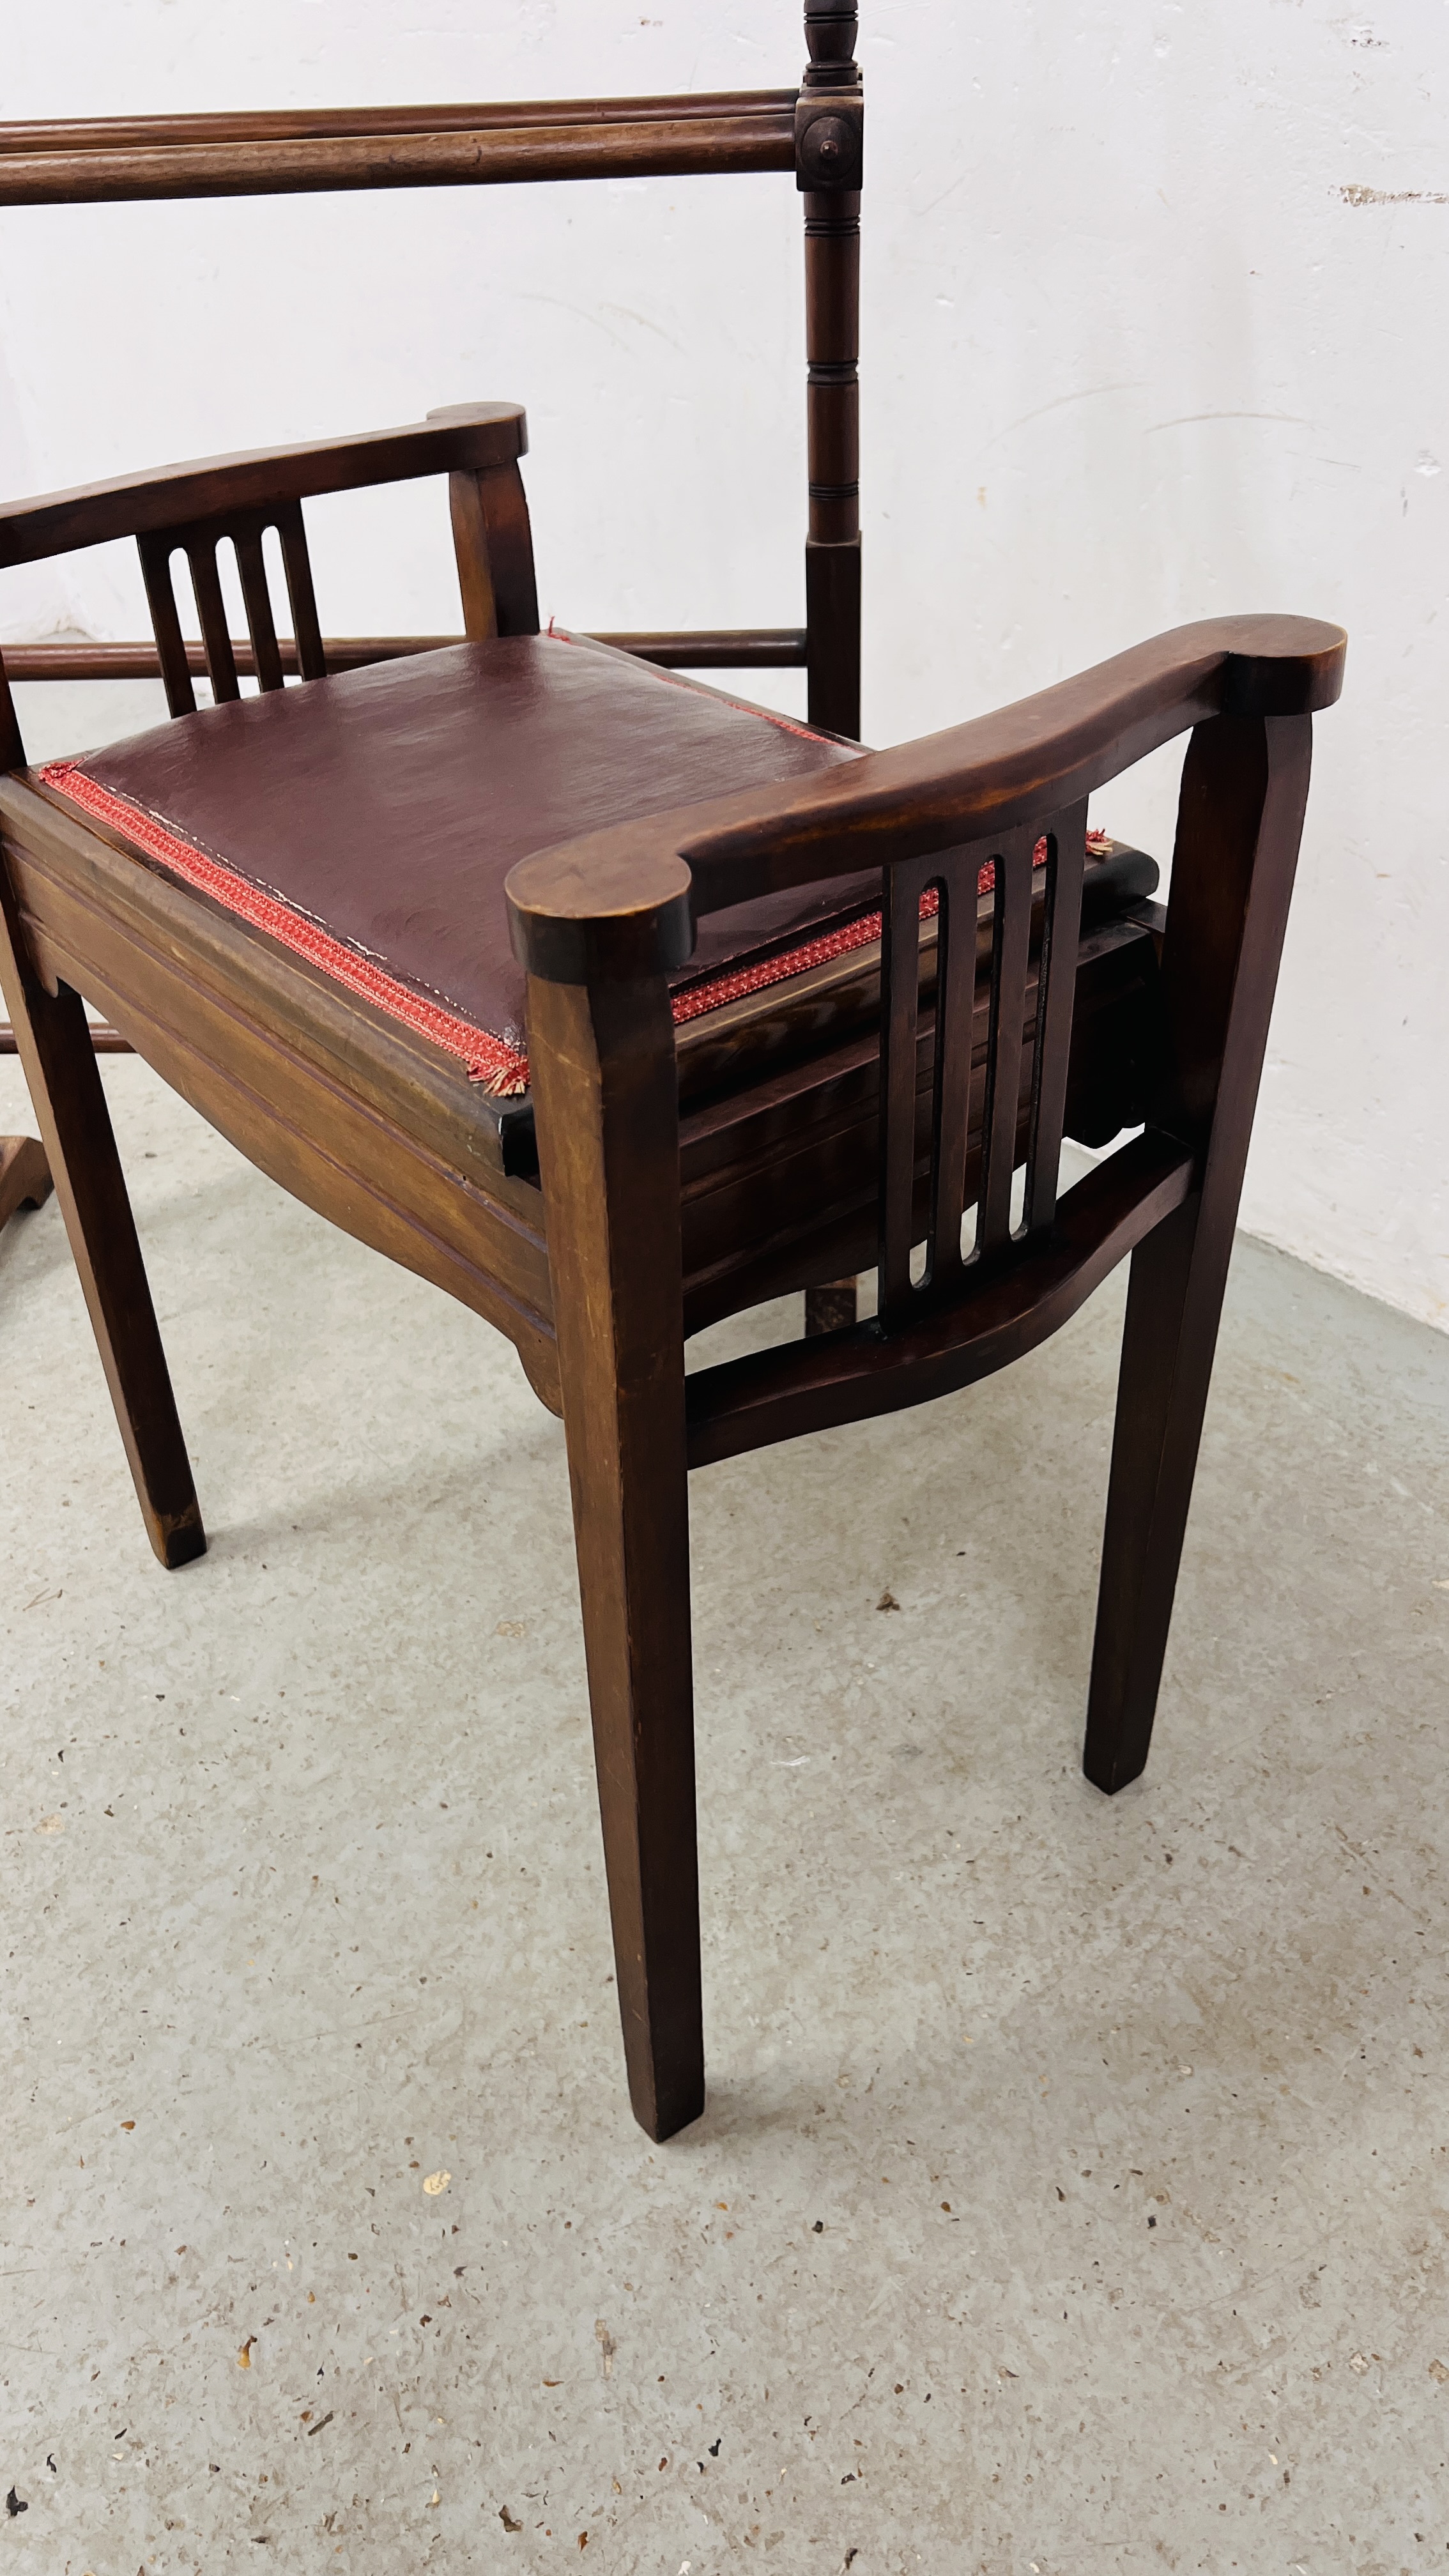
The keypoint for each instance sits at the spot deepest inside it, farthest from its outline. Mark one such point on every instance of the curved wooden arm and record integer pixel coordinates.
(473, 437)
(623, 903)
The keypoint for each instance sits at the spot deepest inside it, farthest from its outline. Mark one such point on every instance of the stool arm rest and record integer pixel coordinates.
(621, 904)
(472, 437)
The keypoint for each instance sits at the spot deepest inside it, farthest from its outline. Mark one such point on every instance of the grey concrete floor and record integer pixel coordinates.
(1074, 2187)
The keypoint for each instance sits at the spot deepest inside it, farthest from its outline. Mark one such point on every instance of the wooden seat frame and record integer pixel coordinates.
(658, 1179)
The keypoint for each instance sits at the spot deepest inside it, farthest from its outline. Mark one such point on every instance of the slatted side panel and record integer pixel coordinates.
(1033, 937)
(245, 531)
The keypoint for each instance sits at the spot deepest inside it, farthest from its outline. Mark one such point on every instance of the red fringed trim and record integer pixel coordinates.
(736, 982)
(501, 1069)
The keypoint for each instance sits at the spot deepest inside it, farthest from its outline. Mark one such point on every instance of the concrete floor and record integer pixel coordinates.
(1113, 2238)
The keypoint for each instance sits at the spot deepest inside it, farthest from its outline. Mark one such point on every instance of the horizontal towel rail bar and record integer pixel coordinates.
(658, 143)
(709, 648)
(323, 124)
(718, 648)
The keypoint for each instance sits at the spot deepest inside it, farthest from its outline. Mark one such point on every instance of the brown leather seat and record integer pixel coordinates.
(370, 820)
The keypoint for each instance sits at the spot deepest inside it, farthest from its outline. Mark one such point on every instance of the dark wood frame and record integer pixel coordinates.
(659, 1179)
(780, 1144)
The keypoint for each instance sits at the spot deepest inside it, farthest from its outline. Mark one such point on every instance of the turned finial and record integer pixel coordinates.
(830, 33)
(828, 109)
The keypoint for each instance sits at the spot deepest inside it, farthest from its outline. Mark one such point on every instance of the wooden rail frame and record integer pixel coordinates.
(814, 131)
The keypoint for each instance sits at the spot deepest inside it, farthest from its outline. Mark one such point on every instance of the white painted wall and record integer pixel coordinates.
(1154, 326)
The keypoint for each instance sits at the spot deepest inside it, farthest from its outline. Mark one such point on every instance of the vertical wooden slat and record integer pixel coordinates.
(211, 607)
(297, 564)
(1056, 994)
(156, 552)
(1011, 946)
(900, 1004)
(251, 565)
(955, 1007)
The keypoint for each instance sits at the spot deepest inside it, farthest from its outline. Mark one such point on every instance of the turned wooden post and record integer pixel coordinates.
(828, 130)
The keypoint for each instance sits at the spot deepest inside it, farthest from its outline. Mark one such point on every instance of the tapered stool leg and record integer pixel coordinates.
(53, 1039)
(1244, 786)
(1174, 1300)
(603, 1072)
